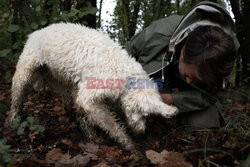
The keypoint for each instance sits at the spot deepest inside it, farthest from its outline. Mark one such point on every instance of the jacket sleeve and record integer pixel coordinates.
(191, 100)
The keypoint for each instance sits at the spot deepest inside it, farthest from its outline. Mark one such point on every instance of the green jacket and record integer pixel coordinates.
(154, 47)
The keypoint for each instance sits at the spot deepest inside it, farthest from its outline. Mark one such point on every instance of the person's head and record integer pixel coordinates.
(208, 56)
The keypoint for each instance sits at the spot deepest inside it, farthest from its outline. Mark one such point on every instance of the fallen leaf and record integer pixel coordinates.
(40, 106)
(89, 147)
(53, 155)
(157, 144)
(65, 161)
(2, 97)
(63, 119)
(79, 160)
(110, 155)
(90, 155)
(165, 158)
(102, 164)
(155, 157)
(105, 164)
(32, 97)
(32, 136)
(67, 142)
(238, 106)
(109, 151)
(82, 160)
(28, 103)
(57, 108)
(36, 111)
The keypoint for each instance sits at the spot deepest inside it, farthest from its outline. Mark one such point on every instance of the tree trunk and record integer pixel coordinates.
(168, 6)
(126, 12)
(100, 15)
(133, 19)
(16, 5)
(192, 3)
(246, 16)
(178, 6)
(89, 19)
(48, 7)
(160, 9)
(242, 27)
(65, 5)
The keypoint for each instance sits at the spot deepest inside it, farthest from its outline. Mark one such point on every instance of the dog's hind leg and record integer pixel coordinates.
(23, 76)
(87, 128)
(99, 115)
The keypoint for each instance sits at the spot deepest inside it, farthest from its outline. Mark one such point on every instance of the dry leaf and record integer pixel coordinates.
(67, 142)
(157, 144)
(89, 147)
(102, 164)
(2, 97)
(90, 155)
(165, 158)
(112, 156)
(155, 157)
(105, 164)
(79, 160)
(109, 151)
(65, 161)
(82, 160)
(28, 103)
(57, 108)
(32, 136)
(53, 155)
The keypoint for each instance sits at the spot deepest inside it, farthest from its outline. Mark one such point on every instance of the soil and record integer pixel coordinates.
(63, 143)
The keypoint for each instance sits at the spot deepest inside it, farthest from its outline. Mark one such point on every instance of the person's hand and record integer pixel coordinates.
(167, 98)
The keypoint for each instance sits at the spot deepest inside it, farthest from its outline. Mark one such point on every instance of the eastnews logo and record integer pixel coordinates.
(131, 83)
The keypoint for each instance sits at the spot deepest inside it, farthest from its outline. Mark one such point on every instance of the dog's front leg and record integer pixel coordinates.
(99, 115)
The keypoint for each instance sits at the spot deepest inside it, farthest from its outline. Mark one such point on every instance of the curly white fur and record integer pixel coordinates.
(70, 53)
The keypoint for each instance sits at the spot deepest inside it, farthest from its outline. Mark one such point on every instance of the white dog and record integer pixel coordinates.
(89, 67)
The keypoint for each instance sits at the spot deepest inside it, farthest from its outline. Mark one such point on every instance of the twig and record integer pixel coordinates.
(245, 147)
(29, 150)
(248, 99)
(185, 140)
(180, 127)
(208, 149)
(213, 163)
(205, 149)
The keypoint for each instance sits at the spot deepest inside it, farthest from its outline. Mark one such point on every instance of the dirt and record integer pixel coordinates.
(164, 143)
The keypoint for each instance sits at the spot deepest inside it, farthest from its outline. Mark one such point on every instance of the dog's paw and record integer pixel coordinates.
(139, 127)
(137, 123)
(169, 111)
(8, 123)
(9, 120)
(129, 147)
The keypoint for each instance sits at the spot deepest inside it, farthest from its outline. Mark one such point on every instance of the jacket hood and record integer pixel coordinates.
(204, 13)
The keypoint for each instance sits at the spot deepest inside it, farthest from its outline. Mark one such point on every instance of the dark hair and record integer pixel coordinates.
(213, 51)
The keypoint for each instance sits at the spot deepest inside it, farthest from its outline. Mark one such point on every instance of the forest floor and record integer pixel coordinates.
(62, 143)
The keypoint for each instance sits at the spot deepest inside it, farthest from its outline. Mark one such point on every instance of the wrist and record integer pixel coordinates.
(167, 98)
